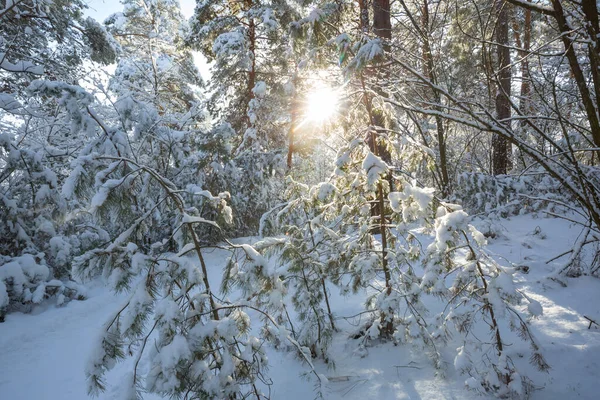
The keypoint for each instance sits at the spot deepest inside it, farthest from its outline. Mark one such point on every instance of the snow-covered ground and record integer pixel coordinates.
(42, 355)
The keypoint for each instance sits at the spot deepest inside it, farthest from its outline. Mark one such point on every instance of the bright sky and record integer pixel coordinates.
(100, 9)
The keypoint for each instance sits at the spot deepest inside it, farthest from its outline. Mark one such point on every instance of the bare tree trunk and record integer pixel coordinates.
(589, 9)
(591, 109)
(382, 25)
(500, 145)
(363, 15)
(252, 47)
(591, 13)
(524, 46)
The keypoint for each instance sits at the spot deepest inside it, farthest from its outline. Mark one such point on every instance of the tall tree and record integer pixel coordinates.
(501, 147)
(590, 27)
(154, 66)
(248, 79)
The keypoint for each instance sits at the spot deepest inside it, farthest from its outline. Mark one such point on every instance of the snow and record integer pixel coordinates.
(22, 272)
(477, 236)
(324, 190)
(167, 311)
(314, 16)
(166, 361)
(164, 63)
(535, 308)
(254, 256)
(446, 224)
(367, 52)
(8, 102)
(52, 347)
(474, 384)
(229, 44)
(421, 196)
(374, 167)
(268, 21)
(3, 295)
(189, 219)
(260, 89)
(461, 361)
(20, 66)
(13, 271)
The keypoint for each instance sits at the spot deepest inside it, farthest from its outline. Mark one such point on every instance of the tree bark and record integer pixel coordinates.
(382, 27)
(591, 109)
(589, 9)
(501, 148)
(363, 15)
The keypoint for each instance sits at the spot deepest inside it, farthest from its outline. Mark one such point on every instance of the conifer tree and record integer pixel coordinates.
(42, 45)
(249, 44)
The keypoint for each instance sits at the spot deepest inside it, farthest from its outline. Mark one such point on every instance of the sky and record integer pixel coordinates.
(101, 9)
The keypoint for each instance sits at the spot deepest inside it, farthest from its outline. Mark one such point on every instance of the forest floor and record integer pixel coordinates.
(42, 354)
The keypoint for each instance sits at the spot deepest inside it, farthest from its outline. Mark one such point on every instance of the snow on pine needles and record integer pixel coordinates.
(60, 339)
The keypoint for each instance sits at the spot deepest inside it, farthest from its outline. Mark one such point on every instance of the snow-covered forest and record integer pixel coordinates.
(357, 199)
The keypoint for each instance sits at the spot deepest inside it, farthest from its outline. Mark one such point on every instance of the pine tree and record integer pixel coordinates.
(245, 40)
(501, 149)
(40, 40)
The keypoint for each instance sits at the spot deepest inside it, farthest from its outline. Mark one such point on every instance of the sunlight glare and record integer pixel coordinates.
(321, 105)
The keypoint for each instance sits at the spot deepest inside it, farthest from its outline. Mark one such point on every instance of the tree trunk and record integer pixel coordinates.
(589, 9)
(252, 47)
(524, 45)
(252, 50)
(382, 27)
(429, 72)
(501, 148)
(363, 15)
(293, 122)
(591, 109)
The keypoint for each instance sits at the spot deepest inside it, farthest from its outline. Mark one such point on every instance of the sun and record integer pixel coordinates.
(321, 104)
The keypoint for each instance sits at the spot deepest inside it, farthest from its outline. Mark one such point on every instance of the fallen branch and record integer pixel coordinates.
(591, 322)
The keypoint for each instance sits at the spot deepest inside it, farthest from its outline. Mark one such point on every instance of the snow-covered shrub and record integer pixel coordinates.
(329, 240)
(203, 346)
(480, 293)
(33, 213)
(194, 348)
(505, 195)
(40, 121)
(30, 202)
(26, 280)
(296, 268)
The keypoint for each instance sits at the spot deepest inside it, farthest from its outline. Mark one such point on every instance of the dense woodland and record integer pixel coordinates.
(355, 140)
